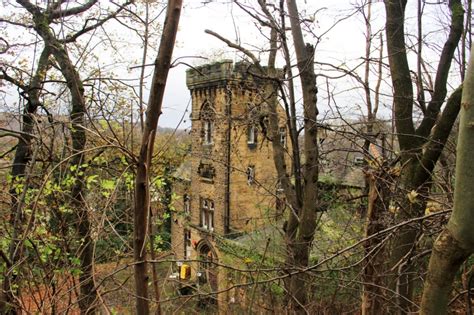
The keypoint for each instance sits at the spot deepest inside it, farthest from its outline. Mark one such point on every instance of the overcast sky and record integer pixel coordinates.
(344, 43)
(341, 44)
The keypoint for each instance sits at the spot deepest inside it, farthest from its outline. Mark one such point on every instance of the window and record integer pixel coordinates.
(282, 132)
(187, 244)
(358, 161)
(207, 116)
(206, 171)
(250, 174)
(253, 118)
(208, 126)
(207, 214)
(252, 135)
(186, 204)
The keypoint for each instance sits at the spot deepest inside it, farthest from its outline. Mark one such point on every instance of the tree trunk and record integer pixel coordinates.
(455, 244)
(307, 217)
(373, 278)
(142, 189)
(417, 163)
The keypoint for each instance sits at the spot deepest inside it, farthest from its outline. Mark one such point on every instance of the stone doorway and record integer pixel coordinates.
(208, 281)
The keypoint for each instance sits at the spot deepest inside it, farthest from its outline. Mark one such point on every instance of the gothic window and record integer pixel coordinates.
(207, 117)
(250, 174)
(187, 244)
(253, 114)
(207, 214)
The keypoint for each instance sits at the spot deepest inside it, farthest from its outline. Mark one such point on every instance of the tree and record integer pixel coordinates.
(42, 18)
(142, 184)
(456, 242)
(420, 147)
(23, 155)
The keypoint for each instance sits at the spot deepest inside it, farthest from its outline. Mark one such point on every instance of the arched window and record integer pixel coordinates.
(207, 116)
(253, 117)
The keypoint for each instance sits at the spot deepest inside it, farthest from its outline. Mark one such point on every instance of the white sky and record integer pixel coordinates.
(343, 45)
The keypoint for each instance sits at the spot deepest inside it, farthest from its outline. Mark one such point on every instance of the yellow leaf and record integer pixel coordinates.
(412, 196)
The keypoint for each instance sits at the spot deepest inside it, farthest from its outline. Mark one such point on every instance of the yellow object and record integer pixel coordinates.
(185, 272)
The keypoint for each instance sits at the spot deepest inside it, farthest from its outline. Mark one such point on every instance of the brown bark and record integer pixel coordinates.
(142, 193)
(376, 189)
(446, 259)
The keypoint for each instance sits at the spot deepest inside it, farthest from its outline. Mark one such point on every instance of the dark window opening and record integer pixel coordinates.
(207, 116)
(206, 171)
(358, 161)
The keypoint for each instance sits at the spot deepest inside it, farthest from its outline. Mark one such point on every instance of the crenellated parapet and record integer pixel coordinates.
(220, 73)
(209, 75)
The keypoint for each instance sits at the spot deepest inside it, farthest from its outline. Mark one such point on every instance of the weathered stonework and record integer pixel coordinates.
(231, 99)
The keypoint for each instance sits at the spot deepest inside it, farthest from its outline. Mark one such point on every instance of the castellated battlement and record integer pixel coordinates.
(219, 73)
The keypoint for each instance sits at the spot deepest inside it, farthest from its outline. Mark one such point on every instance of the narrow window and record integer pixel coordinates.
(187, 244)
(211, 215)
(208, 131)
(251, 134)
(203, 213)
(282, 132)
(186, 204)
(207, 214)
(250, 174)
(280, 204)
(279, 187)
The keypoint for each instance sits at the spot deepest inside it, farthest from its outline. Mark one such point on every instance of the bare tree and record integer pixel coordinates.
(420, 147)
(42, 18)
(23, 155)
(142, 184)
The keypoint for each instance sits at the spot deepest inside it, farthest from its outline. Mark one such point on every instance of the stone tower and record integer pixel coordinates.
(228, 184)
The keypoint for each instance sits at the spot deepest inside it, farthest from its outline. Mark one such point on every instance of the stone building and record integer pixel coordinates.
(227, 189)
(228, 185)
